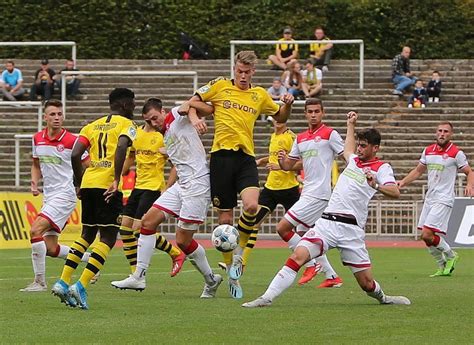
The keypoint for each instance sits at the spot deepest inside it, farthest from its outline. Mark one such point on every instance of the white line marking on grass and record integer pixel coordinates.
(101, 275)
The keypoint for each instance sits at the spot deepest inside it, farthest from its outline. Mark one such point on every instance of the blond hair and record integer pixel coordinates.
(246, 57)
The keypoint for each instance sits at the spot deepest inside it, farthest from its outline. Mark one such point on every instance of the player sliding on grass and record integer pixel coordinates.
(342, 224)
(443, 160)
(188, 199)
(52, 148)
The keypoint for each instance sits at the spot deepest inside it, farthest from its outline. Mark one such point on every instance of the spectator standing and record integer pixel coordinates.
(312, 77)
(293, 80)
(286, 51)
(402, 77)
(12, 82)
(44, 83)
(434, 87)
(321, 53)
(72, 81)
(277, 89)
(418, 99)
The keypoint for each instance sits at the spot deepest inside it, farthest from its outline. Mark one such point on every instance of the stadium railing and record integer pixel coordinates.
(46, 43)
(17, 138)
(193, 74)
(233, 43)
(27, 104)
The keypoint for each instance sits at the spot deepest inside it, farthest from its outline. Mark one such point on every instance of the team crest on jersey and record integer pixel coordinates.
(153, 141)
(132, 132)
(317, 139)
(254, 97)
(60, 147)
(203, 89)
(366, 170)
(216, 202)
(445, 156)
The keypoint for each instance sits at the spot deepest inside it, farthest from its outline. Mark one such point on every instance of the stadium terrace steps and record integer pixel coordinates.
(405, 131)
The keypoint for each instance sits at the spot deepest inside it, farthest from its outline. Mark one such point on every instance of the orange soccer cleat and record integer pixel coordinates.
(329, 283)
(178, 262)
(309, 273)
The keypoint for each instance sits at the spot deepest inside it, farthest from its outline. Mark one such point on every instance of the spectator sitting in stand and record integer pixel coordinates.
(44, 83)
(320, 53)
(402, 77)
(292, 79)
(72, 81)
(12, 82)
(277, 89)
(284, 52)
(312, 77)
(418, 99)
(434, 87)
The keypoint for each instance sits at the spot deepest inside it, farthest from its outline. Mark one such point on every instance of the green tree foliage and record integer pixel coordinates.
(144, 29)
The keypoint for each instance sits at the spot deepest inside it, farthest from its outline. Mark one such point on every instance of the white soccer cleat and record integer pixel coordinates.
(130, 283)
(258, 303)
(235, 289)
(35, 287)
(210, 290)
(236, 269)
(396, 300)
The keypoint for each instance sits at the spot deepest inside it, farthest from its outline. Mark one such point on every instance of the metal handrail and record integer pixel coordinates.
(145, 73)
(27, 103)
(46, 43)
(360, 42)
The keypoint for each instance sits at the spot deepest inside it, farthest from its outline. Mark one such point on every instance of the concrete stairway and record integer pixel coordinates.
(405, 131)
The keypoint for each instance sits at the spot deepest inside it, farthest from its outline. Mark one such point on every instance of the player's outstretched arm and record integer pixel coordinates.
(173, 176)
(413, 175)
(285, 110)
(195, 102)
(261, 162)
(35, 176)
(350, 143)
(76, 161)
(129, 161)
(469, 190)
(198, 123)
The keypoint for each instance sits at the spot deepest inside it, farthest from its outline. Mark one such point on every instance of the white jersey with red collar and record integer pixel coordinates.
(54, 155)
(317, 149)
(184, 147)
(443, 165)
(352, 192)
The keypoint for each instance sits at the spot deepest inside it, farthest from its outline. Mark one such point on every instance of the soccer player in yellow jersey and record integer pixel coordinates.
(237, 104)
(146, 153)
(107, 140)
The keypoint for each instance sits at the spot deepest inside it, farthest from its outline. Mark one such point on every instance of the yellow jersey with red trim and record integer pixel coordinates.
(101, 137)
(235, 113)
(280, 179)
(149, 161)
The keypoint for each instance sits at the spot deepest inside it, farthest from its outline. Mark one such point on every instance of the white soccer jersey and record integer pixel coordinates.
(54, 155)
(352, 192)
(442, 165)
(317, 149)
(184, 147)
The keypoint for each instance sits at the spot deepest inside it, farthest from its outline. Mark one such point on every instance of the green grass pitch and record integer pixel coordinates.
(169, 311)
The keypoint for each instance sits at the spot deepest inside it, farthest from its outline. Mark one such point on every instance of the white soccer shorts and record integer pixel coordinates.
(347, 238)
(435, 217)
(57, 211)
(305, 212)
(189, 203)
